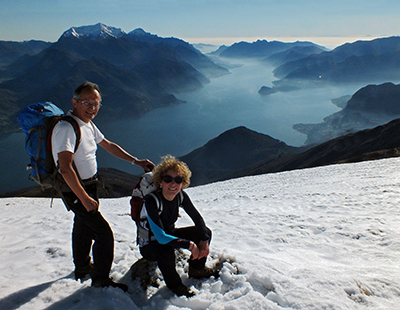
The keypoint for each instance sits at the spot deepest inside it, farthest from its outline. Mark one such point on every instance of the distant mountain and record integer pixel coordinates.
(94, 32)
(274, 52)
(185, 50)
(137, 72)
(205, 48)
(219, 50)
(264, 49)
(232, 151)
(10, 51)
(369, 107)
(136, 48)
(373, 61)
(56, 73)
(293, 53)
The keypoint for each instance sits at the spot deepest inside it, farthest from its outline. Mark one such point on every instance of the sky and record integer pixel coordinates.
(329, 22)
(310, 239)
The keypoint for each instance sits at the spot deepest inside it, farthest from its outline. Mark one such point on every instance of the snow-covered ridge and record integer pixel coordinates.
(101, 31)
(94, 31)
(320, 238)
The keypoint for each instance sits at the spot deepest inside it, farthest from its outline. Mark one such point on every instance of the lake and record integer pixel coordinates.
(225, 103)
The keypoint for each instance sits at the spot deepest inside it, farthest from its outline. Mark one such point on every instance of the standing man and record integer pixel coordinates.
(82, 198)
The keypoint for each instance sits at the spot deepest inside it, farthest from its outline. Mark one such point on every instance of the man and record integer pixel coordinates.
(82, 198)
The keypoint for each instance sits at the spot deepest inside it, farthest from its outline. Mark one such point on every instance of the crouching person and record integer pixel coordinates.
(157, 235)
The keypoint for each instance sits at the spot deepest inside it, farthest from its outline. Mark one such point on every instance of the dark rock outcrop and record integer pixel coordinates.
(265, 90)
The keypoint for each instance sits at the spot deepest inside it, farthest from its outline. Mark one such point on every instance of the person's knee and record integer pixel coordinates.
(148, 254)
(155, 252)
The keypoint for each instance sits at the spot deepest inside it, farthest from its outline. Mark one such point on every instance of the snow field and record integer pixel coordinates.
(321, 238)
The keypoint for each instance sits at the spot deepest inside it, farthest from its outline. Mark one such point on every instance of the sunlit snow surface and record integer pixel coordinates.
(322, 238)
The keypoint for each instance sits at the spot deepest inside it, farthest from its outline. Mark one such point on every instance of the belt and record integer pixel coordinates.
(91, 180)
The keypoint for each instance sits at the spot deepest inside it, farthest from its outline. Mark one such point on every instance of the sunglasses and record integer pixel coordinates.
(169, 179)
(90, 104)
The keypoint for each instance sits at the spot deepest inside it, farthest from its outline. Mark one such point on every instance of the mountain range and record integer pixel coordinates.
(10, 51)
(272, 50)
(362, 61)
(139, 71)
(374, 62)
(136, 71)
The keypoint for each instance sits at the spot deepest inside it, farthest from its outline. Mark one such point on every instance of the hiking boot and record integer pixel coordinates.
(83, 273)
(109, 282)
(206, 272)
(182, 290)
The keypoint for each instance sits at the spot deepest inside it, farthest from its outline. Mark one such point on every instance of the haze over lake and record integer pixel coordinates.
(227, 102)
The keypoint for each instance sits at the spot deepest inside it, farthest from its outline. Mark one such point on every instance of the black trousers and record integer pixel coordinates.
(164, 255)
(89, 227)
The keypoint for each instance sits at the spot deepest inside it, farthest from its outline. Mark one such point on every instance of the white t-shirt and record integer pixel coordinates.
(64, 139)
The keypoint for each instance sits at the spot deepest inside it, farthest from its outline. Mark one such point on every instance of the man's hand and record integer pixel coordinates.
(70, 177)
(145, 164)
(90, 204)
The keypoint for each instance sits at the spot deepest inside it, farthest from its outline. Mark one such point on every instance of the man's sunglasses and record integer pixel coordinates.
(169, 179)
(89, 104)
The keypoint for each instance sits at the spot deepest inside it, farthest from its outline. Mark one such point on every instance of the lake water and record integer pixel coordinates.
(227, 102)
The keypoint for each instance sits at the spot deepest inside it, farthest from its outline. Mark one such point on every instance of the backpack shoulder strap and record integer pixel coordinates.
(73, 123)
(180, 198)
(158, 201)
(76, 127)
(78, 134)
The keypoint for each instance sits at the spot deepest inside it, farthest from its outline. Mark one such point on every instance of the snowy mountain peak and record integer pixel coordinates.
(94, 31)
(139, 32)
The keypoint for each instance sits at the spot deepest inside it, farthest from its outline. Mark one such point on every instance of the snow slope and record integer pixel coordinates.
(321, 238)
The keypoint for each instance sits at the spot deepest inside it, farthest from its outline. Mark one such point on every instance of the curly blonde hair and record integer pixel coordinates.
(169, 162)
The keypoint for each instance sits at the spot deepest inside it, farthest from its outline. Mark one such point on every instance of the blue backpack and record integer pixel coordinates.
(37, 121)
